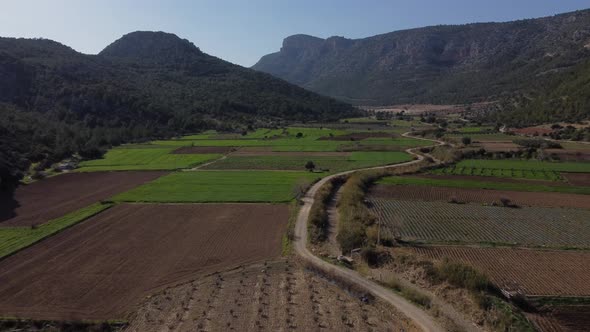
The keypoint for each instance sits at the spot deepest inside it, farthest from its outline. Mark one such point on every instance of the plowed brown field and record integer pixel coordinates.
(577, 179)
(54, 197)
(467, 195)
(534, 272)
(104, 266)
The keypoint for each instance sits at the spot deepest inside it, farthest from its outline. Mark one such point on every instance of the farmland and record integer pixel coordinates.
(220, 186)
(440, 222)
(534, 272)
(479, 182)
(273, 296)
(333, 164)
(39, 202)
(479, 196)
(527, 169)
(104, 266)
(123, 159)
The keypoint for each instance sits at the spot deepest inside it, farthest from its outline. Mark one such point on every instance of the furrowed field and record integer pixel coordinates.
(527, 169)
(441, 222)
(333, 164)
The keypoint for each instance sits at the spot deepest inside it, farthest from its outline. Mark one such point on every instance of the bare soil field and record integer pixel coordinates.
(482, 196)
(537, 131)
(203, 149)
(493, 179)
(533, 272)
(492, 146)
(274, 296)
(577, 179)
(54, 197)
(563, 318)
(249, 153)
(416, 109)
(358, 136)
(104, 266)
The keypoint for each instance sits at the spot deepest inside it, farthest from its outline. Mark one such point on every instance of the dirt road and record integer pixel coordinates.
(419, 316)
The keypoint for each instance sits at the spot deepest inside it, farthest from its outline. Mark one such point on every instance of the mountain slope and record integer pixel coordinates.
(439, 64)
(146, 84)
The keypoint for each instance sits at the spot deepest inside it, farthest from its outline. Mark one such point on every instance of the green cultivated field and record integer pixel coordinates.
(459, 183)
(333, 164)
(134, 158)
(527, 169)
(13, 239)
(469, 223)
(475, 130)
(220, 186)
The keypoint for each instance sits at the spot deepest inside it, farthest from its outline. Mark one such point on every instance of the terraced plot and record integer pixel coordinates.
(439, 222)
(528, 169)
(221, 186)
(330, 163)
(131, 158)
(533, 272)
(480, 196)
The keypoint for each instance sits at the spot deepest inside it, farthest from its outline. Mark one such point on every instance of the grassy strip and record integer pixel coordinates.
(358, 227)
(452, 183)
(318, 214)
(287, 240)
(409, 294)
(14, 239)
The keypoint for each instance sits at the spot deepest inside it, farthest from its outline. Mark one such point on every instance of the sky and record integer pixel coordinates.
(241, 31)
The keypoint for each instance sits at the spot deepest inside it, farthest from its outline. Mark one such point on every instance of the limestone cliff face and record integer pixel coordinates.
(430, 64)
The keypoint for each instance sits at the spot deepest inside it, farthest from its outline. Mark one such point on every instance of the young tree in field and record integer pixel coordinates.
(299, 135)
(310, 166)
(466, 140)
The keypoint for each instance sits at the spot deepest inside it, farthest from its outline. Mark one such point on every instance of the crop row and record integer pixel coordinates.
(535, 272)
(500, 172)
(470, 223)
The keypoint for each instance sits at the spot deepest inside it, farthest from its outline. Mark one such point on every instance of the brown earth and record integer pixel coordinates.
(246, 153)
(104, 266)
(491, 179)
(492, 146)
(577, 179)
(56, 196)
(468, 195)
(274, 296)
(562, 318)
(532, 131)
(570, 154)
(203, 149)
(533, 272)
(358, 136)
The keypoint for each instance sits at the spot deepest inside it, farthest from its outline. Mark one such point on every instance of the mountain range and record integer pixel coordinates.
(520, 60)
(55, 101)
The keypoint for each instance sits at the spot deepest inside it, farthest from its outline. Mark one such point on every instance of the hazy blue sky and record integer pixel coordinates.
(242, 31)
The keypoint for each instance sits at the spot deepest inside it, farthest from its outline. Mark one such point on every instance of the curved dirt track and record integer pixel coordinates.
(420, 318)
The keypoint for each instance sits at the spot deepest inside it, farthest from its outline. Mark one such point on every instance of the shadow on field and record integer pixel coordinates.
(8, 205)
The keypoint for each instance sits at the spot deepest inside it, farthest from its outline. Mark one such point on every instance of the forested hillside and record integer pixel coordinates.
(55, 101)
(518, 63)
